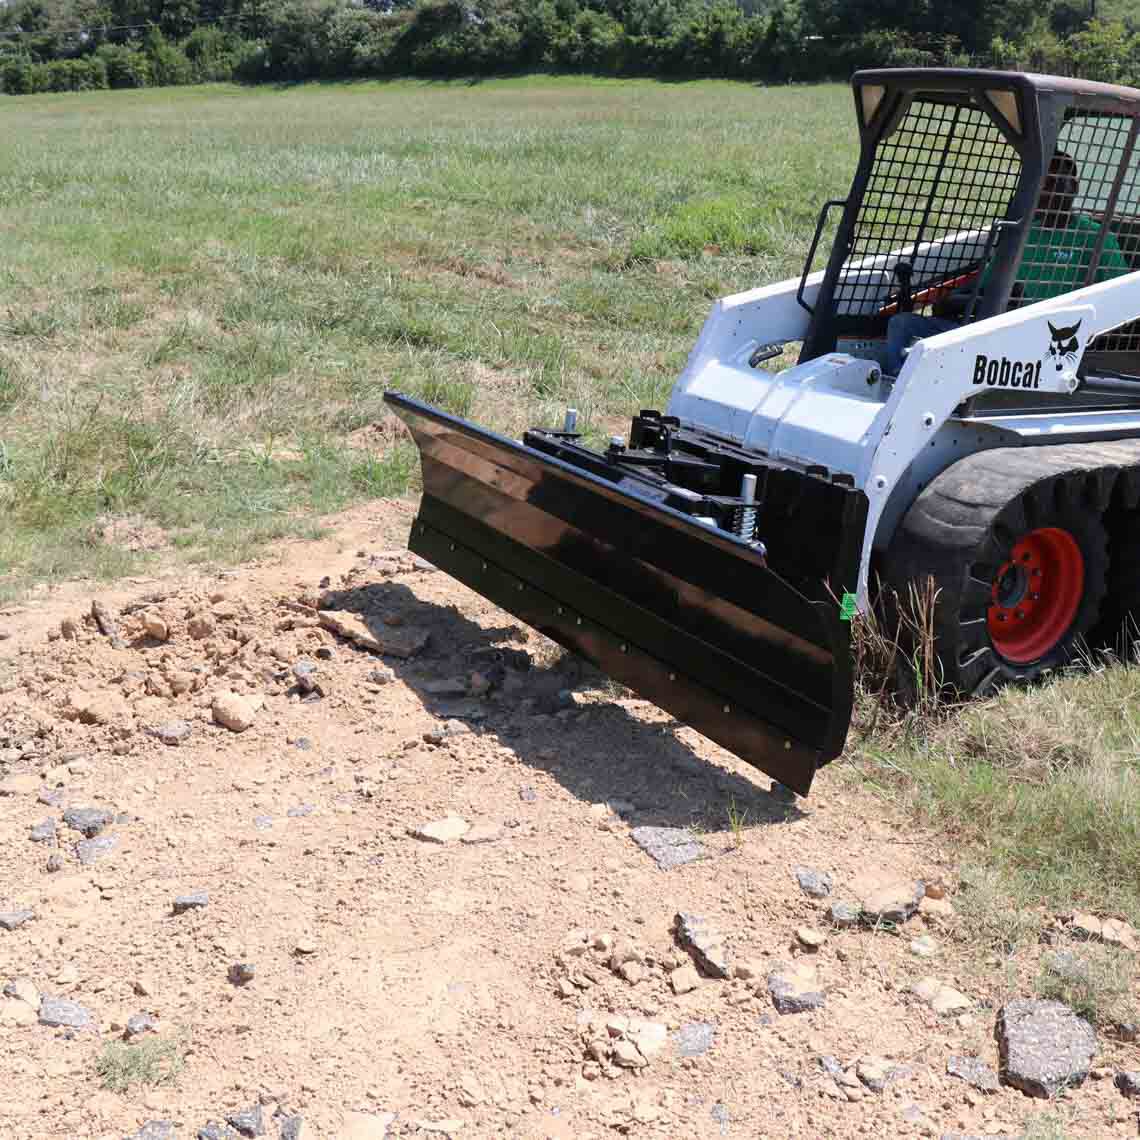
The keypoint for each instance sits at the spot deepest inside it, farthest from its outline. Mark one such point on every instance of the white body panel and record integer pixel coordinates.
(833, 410)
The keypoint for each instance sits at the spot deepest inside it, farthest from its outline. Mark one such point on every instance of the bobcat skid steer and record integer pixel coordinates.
(713, 559)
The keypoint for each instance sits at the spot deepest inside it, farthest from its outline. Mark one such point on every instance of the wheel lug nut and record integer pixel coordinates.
(1035, 597)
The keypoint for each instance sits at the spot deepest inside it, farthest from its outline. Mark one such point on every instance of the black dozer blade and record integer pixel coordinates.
(593, 551)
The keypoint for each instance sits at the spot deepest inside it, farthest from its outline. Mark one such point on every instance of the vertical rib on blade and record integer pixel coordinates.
(689, 617)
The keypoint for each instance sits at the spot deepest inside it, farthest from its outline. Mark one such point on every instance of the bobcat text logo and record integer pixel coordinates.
(1001, 372)
(1063, 345)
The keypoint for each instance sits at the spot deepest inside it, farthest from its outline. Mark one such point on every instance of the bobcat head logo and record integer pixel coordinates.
(1063, 346)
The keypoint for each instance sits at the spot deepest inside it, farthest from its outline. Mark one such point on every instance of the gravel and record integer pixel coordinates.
(90, 851)
(974, 1072)
(816, 884)
(694, 1038)
(1045, 1047)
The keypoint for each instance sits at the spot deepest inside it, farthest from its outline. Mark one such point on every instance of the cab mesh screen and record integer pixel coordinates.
(938, 184)
(1095, 236)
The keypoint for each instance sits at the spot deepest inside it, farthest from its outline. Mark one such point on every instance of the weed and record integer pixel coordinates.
(1095, 981)
(154, 1061)
(736, 821)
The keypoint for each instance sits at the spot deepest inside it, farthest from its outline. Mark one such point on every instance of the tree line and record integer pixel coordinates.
(74, 45)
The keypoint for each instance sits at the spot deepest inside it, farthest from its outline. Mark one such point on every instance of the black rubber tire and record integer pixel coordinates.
(960, 531)
(1119, 625)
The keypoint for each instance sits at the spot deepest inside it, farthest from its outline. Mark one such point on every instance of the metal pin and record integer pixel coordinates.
(451, 546)
(570, 423)
(727, 709)
(624, 647)
(672, 676)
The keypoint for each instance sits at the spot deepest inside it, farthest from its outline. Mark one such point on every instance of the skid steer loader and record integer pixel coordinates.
(712, 560)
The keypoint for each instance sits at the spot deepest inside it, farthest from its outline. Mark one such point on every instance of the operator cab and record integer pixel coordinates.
(978, 192)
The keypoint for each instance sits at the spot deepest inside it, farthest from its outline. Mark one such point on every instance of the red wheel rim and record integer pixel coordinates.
(1036, 594)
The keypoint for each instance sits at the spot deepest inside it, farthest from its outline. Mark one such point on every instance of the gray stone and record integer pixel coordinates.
(300, 810)
(91, 851)
(195, 901)
(50, 797)
(62, 1012)
(972, 1136)
(704, 942)
(14, 919)
(139, 1024)
(815, 883)
(241, 973)
(446, 731)
(795, 988)
(215, 1131)
(381, 675)
(974, 1072)
(668, 847)
(694, 1038)
(156, 1130)
(54, 862)
(720, 1114)
(43, 832)
(832, 1066)
(303, 743)
(172, 731)
(844, 914)
(90, 821)
(1128, 1083)
(527, 794)
(291, 1127)
(1045, 1047)
(305, 674)
(263, 822)
(248, 1121)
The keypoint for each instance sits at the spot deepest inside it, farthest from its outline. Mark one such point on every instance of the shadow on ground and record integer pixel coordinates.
(560, 715)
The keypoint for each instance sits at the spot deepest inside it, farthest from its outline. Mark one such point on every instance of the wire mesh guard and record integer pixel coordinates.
(1086, 227)
(938, 184)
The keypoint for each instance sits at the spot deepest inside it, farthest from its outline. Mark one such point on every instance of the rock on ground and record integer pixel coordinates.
(195, 901)
(64, 1013)
(1045, 1047)
(14, 919)
(939, 996)
(88, 820)
(441, 830)
(815, 883)
(90, 851)
(249, 1121)
(156, 1130)
(704, 942)
(365, 1125)
(844, 913)
(668, 847)
(232, 711)
(291, 1128)
(796, 988)
(171, 731)
(974, 1072)
(894, 903)
(1129, 1084)
(694, 1038)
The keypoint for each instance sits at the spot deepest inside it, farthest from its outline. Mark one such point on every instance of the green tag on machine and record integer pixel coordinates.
(847, 607)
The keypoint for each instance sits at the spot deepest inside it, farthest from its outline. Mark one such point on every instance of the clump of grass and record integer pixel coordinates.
(154, 1061)
(990, 915)
(727, 224)
(736, 821)
(1095, 981)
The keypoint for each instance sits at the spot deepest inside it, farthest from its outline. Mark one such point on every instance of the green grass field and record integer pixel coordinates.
(205, 291)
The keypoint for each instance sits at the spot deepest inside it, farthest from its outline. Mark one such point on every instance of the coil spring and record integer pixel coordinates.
(744, 522)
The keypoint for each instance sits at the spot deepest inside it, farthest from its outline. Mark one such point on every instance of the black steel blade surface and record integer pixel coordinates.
(687, 615)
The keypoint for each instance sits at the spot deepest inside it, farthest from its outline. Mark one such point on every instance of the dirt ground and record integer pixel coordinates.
(516, 980)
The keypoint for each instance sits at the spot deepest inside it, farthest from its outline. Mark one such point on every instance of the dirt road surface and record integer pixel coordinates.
(426, 845)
